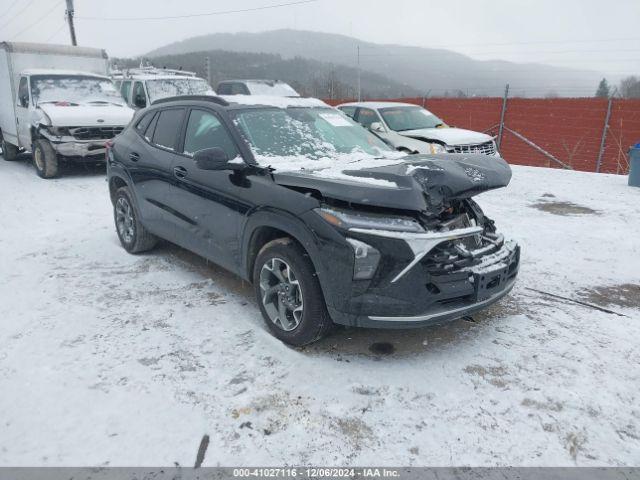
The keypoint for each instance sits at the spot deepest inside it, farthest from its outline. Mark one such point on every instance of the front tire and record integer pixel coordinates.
(132, 234)
(289, 294)
(45, 159)
(9, 151)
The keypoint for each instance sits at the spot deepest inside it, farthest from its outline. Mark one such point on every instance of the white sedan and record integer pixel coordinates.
(413, 129)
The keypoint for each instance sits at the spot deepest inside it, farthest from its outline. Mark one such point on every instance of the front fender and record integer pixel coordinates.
(327, 249)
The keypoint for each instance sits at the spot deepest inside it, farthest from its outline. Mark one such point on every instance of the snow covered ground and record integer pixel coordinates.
(112, 359)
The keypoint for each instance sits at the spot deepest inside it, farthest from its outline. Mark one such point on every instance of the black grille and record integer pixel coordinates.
(454, 255)
(95, 133)
(487, 148)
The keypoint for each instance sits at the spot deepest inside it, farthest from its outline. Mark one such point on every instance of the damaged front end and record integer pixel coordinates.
(79, 142)
(439, 258)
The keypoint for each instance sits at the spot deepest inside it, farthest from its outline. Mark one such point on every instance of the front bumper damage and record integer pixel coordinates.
(430, 278)
(491, 280)
(72, 147)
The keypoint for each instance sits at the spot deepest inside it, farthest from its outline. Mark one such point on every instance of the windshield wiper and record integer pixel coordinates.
(106, 102)
(64, 102)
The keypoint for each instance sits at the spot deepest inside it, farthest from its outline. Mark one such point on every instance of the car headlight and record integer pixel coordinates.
(437, 148)
(371, 221)
(59, 131)
(366, 259)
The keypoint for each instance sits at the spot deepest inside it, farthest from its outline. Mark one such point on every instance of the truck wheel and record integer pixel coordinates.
(9, 152)
(289, 294)
(45, 159)
(132, 234)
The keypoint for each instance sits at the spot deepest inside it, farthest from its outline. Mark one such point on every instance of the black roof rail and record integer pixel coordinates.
(203, 98)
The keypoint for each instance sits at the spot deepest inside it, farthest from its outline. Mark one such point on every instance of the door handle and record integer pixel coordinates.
(134, 157)
(180, 172)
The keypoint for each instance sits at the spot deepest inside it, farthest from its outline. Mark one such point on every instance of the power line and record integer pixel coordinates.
(38, 21)
(51, 37)
(17, 14)
(10, 7)
(221, 12)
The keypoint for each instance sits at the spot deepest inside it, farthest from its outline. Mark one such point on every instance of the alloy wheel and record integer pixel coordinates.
(124, 220)
(281, 294)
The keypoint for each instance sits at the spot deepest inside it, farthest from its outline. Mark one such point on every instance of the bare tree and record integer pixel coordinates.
(630, 87)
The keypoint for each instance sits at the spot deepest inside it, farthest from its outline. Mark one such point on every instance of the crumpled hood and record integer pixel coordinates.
(449, 136)
(87, 115)
(418, 182)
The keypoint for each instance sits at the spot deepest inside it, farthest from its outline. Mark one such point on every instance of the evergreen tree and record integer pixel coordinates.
(603, 89)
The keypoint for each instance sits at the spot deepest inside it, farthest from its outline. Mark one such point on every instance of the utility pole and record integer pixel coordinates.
(72, 30)
(359, 89)
(207, 68)
(603, 140)
(502, 114)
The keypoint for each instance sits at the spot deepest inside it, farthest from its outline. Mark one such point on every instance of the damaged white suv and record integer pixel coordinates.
(66, 115)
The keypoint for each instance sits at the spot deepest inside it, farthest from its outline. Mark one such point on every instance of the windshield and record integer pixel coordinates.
(297, 134)
(173, 87)
(74, 89)
(410, 118)
(278, 89)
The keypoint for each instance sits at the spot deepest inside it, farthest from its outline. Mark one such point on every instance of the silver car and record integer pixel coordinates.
(413, 129)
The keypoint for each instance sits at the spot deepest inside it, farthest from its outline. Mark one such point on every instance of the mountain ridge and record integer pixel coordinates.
(426, 70)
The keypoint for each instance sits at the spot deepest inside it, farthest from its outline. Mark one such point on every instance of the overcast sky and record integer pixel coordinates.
(595, 34)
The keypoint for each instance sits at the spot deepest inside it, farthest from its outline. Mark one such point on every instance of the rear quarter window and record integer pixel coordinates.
(144, 122)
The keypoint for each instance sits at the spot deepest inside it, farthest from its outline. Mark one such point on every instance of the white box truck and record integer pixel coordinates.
(57, 102)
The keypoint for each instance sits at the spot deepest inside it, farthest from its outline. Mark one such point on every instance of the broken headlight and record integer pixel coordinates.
(59, 131)
(437, 148)
(370, 221)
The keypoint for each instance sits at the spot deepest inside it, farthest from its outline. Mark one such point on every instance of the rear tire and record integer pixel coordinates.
(289, 293)
(132, 234)
(9, 151)
(45, 159)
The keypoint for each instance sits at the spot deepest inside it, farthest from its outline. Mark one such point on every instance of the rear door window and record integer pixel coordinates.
(168, 126)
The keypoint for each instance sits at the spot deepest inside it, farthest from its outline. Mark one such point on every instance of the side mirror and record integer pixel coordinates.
(24, 101)
(212, 159)
(139, 101)
(377, 127)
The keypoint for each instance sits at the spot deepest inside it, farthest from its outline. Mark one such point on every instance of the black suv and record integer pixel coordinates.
(327, 222)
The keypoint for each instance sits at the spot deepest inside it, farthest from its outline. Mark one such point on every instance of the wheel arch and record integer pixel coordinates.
(266, 226)
(116, 182)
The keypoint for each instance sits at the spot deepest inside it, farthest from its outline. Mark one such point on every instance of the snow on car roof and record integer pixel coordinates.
(377, 105)
(147, 76)
(53, 71)
(272, 101)
(253, 80)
